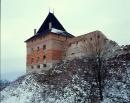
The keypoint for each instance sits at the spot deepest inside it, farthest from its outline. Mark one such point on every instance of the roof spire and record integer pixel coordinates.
(53, 10)
(49, 9)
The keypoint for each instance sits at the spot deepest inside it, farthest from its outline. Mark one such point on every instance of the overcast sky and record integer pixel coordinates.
(20, 17)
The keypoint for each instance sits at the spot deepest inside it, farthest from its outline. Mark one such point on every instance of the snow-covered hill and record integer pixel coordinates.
(75, 81)
(3, 84)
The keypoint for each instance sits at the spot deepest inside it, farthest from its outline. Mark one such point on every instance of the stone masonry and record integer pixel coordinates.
(52, 43)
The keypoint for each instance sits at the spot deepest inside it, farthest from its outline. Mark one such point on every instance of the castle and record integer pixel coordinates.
(52, 43)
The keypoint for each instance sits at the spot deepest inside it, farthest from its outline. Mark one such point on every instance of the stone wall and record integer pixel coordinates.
(38, 57)
(59, 47)
(85, 45)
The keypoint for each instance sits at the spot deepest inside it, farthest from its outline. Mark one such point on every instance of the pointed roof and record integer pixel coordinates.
(55, 23)
(56, 28)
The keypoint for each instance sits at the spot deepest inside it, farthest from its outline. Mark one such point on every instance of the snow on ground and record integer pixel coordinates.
(74, 82)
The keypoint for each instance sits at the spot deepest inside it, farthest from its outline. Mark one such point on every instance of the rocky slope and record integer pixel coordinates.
(75, 81)
(4, 84)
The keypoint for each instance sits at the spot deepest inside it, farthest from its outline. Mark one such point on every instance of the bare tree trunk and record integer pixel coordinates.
(97, 59)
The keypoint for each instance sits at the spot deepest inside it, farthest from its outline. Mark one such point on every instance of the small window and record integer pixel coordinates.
(72, 53)
(44, 65)
(38, 66)
(98, 36)
(66, 37)
(44, 57)
(38, 48)
(91, 39)
(84, 40)
(43, 37)
(32, 67)
(77, 43)
(70, 44)
(44, 47)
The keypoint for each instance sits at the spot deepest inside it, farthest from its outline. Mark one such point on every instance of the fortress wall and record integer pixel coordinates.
(53, 43)
(49, 36)
(53, 52)
(41, 69)
(84, 45)
(59, 47)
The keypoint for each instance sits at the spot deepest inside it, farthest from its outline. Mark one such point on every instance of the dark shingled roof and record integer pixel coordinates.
(55, 23)
(44, 29)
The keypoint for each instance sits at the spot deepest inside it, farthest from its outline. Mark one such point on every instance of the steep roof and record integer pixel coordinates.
(56, 28)
(55, 23)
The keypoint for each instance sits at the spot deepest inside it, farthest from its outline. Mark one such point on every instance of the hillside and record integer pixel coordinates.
(4, 84)
(75, 81)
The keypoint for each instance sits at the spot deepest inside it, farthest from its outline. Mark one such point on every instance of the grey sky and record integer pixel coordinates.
(20, 17)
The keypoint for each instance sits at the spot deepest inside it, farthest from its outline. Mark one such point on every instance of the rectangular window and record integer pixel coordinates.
(38, 66)
(77, 43)
(66, 37)
(72, 53)
(44, 65)
(38, 48)
(44, 47)
(98, 36)
(44, 57)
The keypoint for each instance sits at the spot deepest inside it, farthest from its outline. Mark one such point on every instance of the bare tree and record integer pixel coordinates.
(95, 49)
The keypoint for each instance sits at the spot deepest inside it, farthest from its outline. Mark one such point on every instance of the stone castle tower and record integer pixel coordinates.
(52, 43)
